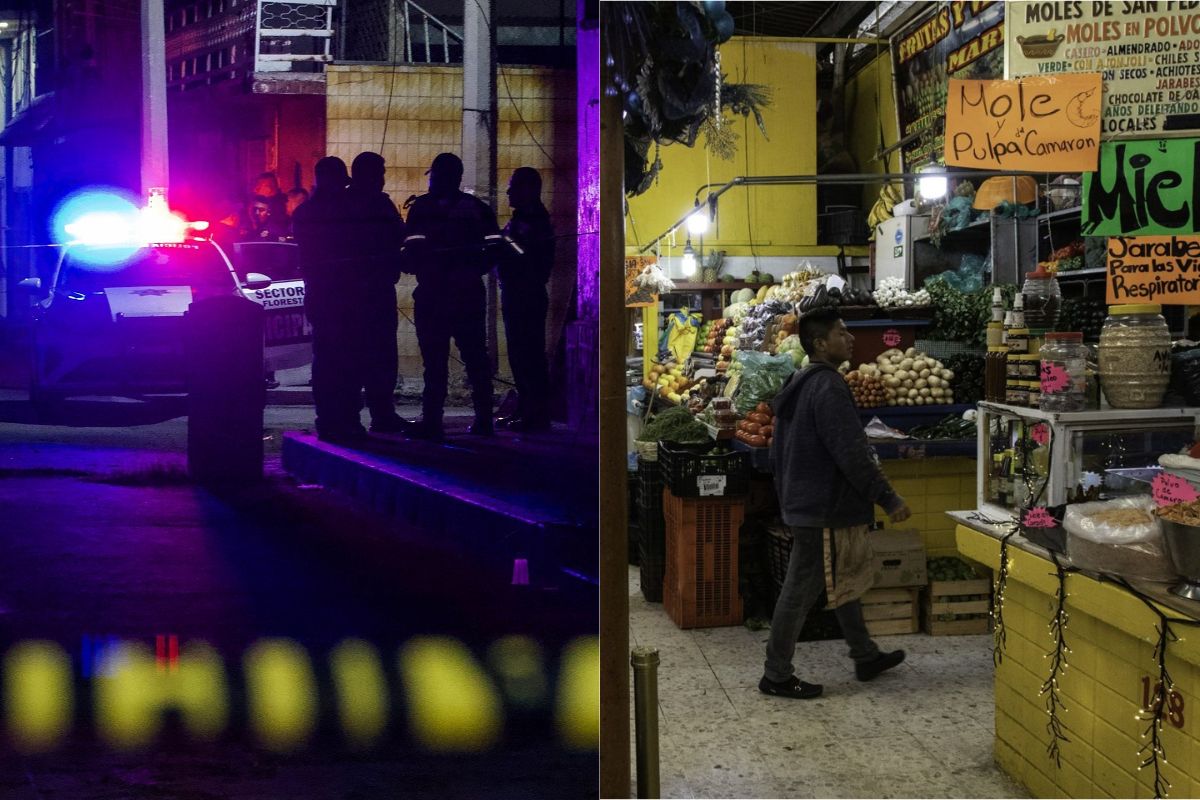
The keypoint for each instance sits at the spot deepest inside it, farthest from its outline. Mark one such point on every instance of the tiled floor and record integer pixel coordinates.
(922, 730)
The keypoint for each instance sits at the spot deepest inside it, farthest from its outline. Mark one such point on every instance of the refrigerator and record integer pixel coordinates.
(895, 243)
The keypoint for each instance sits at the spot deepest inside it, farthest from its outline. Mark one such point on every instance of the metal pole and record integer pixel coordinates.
(645, 709)
(154, 98)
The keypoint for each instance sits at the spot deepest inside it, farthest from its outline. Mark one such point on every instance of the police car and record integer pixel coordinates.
(115, 327)
(287, 334)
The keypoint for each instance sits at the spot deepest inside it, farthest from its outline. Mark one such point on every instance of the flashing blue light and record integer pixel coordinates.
(103, 217)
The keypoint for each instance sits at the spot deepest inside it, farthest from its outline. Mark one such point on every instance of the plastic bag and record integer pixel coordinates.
(968, 278)
(762, 377)
(1131, 551)
(1185, 375)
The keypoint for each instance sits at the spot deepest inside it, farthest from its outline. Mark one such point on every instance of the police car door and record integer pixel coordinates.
(287, 335)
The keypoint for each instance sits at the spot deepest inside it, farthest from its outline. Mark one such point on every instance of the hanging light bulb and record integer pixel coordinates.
(933, 184)
(688, 263)
(697, 223)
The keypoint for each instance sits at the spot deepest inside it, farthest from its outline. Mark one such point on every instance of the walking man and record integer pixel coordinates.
(446, 236)
(374, 235)
(331, 300)
(828, 481)
(524, 301)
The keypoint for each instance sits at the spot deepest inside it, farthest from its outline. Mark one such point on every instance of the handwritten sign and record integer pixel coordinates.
(1055, 378)
(1154, 269)
(1143, 188)
(891, 337)
(1147, 53)
(636, 296)
(1041, 434)
(1038, 124)
(950, 40)
(1038, 518)
(1171, 489)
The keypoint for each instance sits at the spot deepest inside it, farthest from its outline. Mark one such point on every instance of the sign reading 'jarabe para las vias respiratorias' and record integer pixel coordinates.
(1049, 124)
(1154, 269)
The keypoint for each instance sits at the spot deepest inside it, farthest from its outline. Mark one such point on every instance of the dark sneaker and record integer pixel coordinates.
(867, 670)
(793, 688)
(392, 424)
(427, 431)
(351, 436)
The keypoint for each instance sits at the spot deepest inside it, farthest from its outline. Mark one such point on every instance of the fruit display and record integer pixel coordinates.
(891, 293)
(824, 297)
(784, 326)
(669, 382)
(1065, 259)
(758, 428)
(712, 335)
(889, 197)
(869, 391)
(794, 285)
(915, 378)
(753, 328)
(791, 345)
(969, 377)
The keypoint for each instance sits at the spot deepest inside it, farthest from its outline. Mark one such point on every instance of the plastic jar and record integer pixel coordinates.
(1033, 393)
(1063, 373)
(1017, 341)
(1043, 299)
(1135, 356)
(995, 374)
(1028, 368)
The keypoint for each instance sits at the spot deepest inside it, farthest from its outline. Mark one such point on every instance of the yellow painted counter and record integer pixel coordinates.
(1111, 635)
(931, 487)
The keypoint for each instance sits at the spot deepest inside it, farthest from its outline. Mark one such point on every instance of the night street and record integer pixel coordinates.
(117, 542)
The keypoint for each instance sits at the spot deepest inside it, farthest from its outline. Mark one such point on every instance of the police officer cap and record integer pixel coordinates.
(447, 163)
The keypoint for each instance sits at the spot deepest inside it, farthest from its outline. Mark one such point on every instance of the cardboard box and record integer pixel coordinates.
(899, 558)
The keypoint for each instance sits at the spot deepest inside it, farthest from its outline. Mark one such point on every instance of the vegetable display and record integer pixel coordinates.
(951, 568)
(891, 293)
(1082, 315)
(674, 425)
(911, 378)
(951, 426)
(962, 317)
(969, 377)
(758, 428)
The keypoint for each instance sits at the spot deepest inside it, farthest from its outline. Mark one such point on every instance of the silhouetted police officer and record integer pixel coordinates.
(447, 232)
(331, 296)
(523, 299)
(374, 236)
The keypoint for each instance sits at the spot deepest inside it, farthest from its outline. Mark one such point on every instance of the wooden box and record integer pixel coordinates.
(891, 611)
(701, 580)
(949, 609)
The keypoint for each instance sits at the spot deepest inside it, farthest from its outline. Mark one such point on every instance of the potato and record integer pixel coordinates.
(948, 375)
(924, 392)
(910, 352)
(920, 383)
(892, 383)
(906, 363)
(934, 381)
(887, 369)
(925, 373)
(906, 384)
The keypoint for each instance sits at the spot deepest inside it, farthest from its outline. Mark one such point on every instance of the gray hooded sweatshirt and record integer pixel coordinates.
(826, 474)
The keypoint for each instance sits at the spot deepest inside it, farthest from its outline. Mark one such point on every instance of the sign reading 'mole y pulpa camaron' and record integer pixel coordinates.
(1148, 53)
(1036, 124)
(1143, 188)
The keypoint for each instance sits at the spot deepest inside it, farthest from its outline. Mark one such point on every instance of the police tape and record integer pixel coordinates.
(451, 702)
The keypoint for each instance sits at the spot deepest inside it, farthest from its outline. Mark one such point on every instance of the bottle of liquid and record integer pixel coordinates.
(997, 305)
(1019, 311)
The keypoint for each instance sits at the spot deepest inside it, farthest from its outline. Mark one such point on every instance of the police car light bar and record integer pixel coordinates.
(153, 224)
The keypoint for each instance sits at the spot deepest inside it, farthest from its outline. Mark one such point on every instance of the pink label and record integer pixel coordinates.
(1041, 434)
(1171, 489)
(1038, 518)
(1055, 378)
(891, 337)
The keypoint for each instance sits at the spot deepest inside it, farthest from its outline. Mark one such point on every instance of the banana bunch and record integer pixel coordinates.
(889, 196)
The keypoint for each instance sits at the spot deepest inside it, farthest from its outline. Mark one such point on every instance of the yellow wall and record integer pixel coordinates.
(931, 487)
(783, 217)
(872, 84)
(1111, 635)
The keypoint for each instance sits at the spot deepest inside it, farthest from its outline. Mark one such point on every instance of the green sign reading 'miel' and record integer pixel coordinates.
(1143, 188)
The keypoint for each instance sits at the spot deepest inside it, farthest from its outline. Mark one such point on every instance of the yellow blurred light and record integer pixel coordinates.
(198, 689)
(517, 661)
(452, 704)
(281, 693)
(37, 695)
(579, 694)
(362, 691)
(127, 696)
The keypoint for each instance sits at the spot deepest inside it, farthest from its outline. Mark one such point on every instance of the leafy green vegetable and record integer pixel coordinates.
(674, 425)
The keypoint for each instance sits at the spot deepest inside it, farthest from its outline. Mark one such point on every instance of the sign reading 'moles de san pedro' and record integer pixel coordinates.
(1147, 52)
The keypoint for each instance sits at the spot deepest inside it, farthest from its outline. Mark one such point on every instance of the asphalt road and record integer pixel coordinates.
(102, 535)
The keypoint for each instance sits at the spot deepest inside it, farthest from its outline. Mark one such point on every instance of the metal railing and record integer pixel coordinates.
(396, 31)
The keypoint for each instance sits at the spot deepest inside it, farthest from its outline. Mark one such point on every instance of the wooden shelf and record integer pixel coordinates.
(732, 286)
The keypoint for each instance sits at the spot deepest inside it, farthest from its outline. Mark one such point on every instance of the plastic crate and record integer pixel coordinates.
(689, 470)
(652, 553)
(701, 581)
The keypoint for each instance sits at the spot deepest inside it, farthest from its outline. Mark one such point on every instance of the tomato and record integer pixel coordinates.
(756, 441)
(752, 428)
(763, 408)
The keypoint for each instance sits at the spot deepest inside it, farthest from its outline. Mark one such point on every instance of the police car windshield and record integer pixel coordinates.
(160, 265)
(278, 260)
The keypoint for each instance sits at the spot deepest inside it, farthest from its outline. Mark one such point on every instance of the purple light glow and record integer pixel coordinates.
(587, 55)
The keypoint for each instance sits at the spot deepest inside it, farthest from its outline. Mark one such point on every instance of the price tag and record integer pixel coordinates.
(1171, 489)
(891, 337)
(1038, 518)
(711, 485)
(1055, 378)
(1041, 434)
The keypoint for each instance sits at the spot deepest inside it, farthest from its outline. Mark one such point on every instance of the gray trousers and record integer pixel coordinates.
(801, 590)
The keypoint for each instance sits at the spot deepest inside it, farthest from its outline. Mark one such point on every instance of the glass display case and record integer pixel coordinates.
(1025, 454)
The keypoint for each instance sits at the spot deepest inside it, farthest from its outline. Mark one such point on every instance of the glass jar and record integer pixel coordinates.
(1028, 368)
(1043, 299)
(995, 374)
(1135, 356)
(1033, 393)
(1063, 373)
(1017, 341)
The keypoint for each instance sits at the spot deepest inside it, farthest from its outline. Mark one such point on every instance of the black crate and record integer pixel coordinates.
(821, 623)
(652, 574)
(683, 464)
(652, 543)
